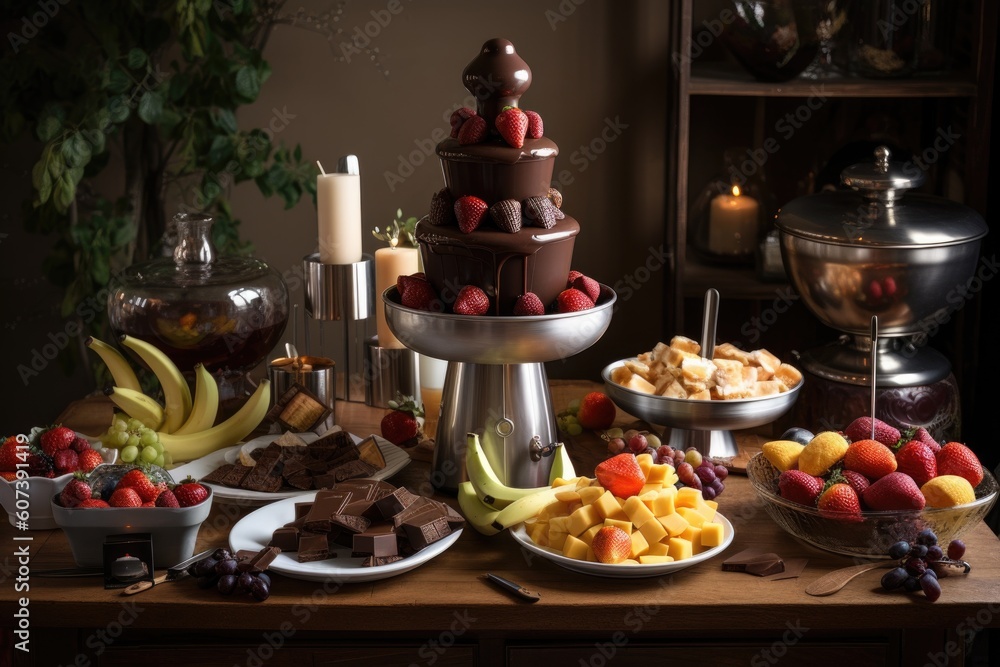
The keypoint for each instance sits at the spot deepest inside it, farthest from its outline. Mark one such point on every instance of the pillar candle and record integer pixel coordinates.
(390, 263)
(338, 207)
(732, 224)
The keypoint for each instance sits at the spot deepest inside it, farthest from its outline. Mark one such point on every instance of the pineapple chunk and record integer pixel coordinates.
(645, 461)
(559, 523)
(575, 548)
(658, 549)
(692, 535)
(688, 497)
(609, 507)
(663, 504)
(618, 523)
(589, 494)
(675, 524)
(584, 518)
(588, 535)
(711, 535)
(639, 544)
(658, 472)
(557, 539)
(637, 511)
(651, 560)
(679, 548)
(650, 487)
(653, 531)
(693, 516)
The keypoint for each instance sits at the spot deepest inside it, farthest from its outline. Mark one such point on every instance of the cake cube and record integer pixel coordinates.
(730, 351)
(766, 388)
(788, 375)
(768, 363)
(673, 390)
(728, 378)
(685, 344)
(639, 383)
(638, 368)
(702, 395)
(676, 357)
(697, 369)
(621, 375)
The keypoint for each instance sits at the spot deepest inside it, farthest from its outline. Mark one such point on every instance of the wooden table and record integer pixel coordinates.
(443, 613)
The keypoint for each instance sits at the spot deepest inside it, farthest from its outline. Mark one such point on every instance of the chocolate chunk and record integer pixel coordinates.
(420, 506)
(351, 469)
(244, 555)
(298, 409)
(285, 538)
(326, 480)
(218, 475)
(395, 502)
(421, 533)
(297, 523)
(236, 476)
(759, 564)
(378, 540)
(292, 466)
(301, 509)
(374, 561)
(326, 504)
(302, 480)
(263, 559)
(365, 508)
(265, 476)
(312, 546)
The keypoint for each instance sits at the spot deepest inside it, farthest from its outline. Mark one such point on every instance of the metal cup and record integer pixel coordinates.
(317, 374)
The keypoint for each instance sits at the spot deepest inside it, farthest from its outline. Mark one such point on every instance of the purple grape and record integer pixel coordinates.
(203, 567)
(934, 552)
(207, 581)
(915, 566)
(221, 554)
(637, 443)
(651, 452)
(228, 566)
(899, 549)
(718, 486)
(227, 584)
(894, 578)
(956, 549)
(926, 537)
(245, 581)
(911, 585)
(721, 471)
(930, 586)
(918, 551)
(708, 493)
(263, 576)
(695, 483)
(260, 590)
(707, 475)
(664, 453)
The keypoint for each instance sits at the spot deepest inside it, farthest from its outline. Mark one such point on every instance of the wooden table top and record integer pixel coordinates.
(451, 586)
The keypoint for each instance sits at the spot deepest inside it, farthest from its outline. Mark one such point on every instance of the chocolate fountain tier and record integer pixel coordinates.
(504, 265)
(493, 171)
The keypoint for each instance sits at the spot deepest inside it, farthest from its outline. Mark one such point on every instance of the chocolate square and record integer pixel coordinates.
(236, 476)
(312, 547)
(218, 475)
(326, 480)
(378, 540)
(424, 531)
(326, 504)
(395, 502)
(285, 538)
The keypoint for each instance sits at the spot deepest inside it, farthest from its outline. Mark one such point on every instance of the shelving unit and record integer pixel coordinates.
(964, 95)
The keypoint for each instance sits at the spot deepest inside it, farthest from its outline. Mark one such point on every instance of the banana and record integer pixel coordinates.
(136, 404)
(488, 486)
(122, 373)
(562, 466)
(477, 513)
(524, 508)
(176, 394)
(206, 403)
(195, 445)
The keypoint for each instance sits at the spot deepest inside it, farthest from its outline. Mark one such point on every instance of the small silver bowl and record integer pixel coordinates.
(705, 425)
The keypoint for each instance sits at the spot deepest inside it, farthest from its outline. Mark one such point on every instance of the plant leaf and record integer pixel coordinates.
(247, 83)
(151, 106)
(48, 127)
(118, 81)
(136, 58)
(225, 120)
(119, 109)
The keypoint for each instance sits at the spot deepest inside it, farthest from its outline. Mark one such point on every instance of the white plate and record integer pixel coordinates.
(254, 531)
(395, 460)
(625, 571)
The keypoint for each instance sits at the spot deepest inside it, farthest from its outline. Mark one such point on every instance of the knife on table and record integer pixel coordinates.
(173, 573)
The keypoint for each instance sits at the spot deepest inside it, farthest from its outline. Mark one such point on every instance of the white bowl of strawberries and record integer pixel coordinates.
(856, 495)
(125, 499)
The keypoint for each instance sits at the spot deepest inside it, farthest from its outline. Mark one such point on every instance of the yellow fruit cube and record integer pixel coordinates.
(625, 525)
(653, 531)
(645, 461)
(658, 549)
(706, 511)
(569, 496)
(649, 560)
(629, 561)
(583, 518)
(658, 472)
(575, 548)
(609, 507)
(572, 507)
(711, 535)
(589, 494)
(679, 548)
(539, 531)
(555, 508)
(637, 511)
(639, 544)
(559, 523)
(714, 504)
(648, 497)
(663, 504)
(675, 524)
(588, 535)
(693, 516)
(591, 556)
(650, 487)
(557, 539)
(688, 497)
(692, 535)
(560, 481)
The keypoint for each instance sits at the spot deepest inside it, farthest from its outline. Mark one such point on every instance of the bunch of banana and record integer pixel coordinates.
(491, 506)
(184, 424)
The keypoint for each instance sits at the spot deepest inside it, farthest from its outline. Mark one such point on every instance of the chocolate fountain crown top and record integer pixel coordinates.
(497, 78)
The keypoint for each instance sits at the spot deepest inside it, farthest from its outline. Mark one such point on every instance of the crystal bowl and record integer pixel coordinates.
(872, 536)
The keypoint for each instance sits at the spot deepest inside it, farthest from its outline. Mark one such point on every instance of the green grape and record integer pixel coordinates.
(134, 424)
(129, 453)
(148, 438)
(574, 406)
(120, 439)
(653, 440)
(574, 429)
(158, 446)
(571, 419)
(148, 454)
(168, 459)
(119, 425)
(159, 461)
(613, 433)
(133, 441)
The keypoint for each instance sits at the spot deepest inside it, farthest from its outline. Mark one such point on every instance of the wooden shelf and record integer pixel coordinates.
(733, 282)
(720, 78)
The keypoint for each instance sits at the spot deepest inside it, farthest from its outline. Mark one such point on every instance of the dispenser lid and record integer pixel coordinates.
(879, 212)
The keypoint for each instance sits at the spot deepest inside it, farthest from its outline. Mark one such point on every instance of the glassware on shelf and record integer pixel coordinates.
(830, 19)
(774, 40)
(884, 37)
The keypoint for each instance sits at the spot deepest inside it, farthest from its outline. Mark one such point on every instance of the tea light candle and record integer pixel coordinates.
(390, 263)
(732, 224)
(338, 207)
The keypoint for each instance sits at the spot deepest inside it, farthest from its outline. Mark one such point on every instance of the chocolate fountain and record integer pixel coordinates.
(877, 249)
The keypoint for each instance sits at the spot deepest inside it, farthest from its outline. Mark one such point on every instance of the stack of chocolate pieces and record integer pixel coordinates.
(375, 520)
(289, 463)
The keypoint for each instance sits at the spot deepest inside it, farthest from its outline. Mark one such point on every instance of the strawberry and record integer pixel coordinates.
(470, 212)
(89, 459)
(442, 210)
(506, 213)
(925, 437)
(588, 286)
(420, 295)
(458, 118)
(148, 503)
(125, 497)
(856, 480)
(800, 487)
(895, 491)
(92, 503)
(529, 304)
(512, 124)
(861, 429)
(539, 212)
(555, 197)
(621, 475)
(402, 281)
(471, 301)
(39, 465)
(957, 459)
(535, 125)
(572, 300)
(596, 412)
(75, 492)
(56, 439)
(573, 275)
(839, 502)
(870, 458)
(167, 499)
(473, 131)
(611, 544)
(190, 492)
(66, 460)
(139, 481)
(80, 444)
(400, 426)
(917, 460)
(8, 475)
(8, 454)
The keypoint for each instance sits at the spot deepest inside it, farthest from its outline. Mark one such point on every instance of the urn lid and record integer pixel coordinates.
(877, 210)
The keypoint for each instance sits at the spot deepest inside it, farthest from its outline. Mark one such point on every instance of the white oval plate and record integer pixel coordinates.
(254, 531)
(625, 571)
(395, 460)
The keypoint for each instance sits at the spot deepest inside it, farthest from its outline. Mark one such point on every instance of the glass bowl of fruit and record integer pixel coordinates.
(869, 533)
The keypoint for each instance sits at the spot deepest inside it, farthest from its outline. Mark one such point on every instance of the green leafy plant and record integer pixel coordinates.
(148, 90)
(399, 232)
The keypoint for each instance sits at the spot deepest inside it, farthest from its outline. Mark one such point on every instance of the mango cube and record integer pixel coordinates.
(648, 496)
(588, 535)
(663, 504)
(559, 523)
(645, 461)
(706, 511)
(569, 496)
(711, 534)
(589, 494)
(639, 544)
(653, 531)
(583, 518)
(650, 487)
(688, 497)
(650, 560)
(658, 473)
(539, 532)
(637, 511)
(575, 548)
(692, 535)
(557, 539)
(609, 507)
(679, 548)
(658, 549)
(675, 524)
(693, 516)
(619, 523)
(555, 508)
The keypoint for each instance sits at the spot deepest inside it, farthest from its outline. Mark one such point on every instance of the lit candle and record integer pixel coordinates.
(390, 263)
(338, 207)
(732, 224)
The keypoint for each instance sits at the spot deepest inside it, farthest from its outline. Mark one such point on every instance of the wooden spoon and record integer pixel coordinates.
(830, 583)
